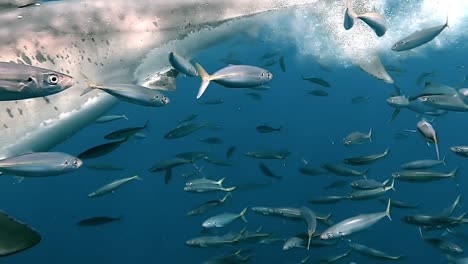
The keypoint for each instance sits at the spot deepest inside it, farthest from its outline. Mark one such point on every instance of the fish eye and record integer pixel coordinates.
(329, 235)
(75, 162)
(53, 79)
(65, 163)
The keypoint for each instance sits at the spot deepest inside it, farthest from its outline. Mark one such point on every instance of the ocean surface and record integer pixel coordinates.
(154, 225)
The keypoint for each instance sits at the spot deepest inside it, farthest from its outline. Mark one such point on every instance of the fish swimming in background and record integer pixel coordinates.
(19, 81)
(429, 133)
(97, 221)
(110, 118)
(101, 150)
(112, 186)
(357, 138)
(234, 76)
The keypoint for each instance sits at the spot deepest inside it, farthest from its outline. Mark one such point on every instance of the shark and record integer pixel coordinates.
(123, 41)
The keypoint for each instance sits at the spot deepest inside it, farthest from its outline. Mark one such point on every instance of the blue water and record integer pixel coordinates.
(154, 225)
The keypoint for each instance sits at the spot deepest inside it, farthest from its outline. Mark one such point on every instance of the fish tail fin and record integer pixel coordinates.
(387, 150)
(443, 160)
(146, 126)
(365, 173)
(242, 214)
(308, 242)
(220, 182)
(387, 212)
(137, 177)
(437, 148)
(18, 179)
(447, 21)
(230, 189)
(420, 233)
(454, 172)
(392, 186)
(125, 117)
(385, 182)
(370, 135)
(225, 197)
(205, 79)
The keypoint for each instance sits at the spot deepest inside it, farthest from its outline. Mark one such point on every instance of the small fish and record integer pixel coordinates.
(429, 133)
(169, 164)
(282, 64)
(188, 118)
(184, 130)
(461, 151)
(214, 101)
(205, 181)
(40, 164)
(422, 164)
(327, 199)
(112, 186)
(318, 81)
(126, 132)
(336, 184)
(101, 150)
(371, 252)
(211, 241)
(222, 220)
(267, 172)
(268, 129)
(442, 244)
(335, 258)
(254, 96)
(367, 184)
(193, 155)
(20, 81)
(355, 224)
(362, 160)
(342, 170)
(423, 176)
(294, 242)
(202, 188)
(373, 66)
(423, 76)
(371, 193)
(217, 162)
(132, 93)
(311, 220)
(182, 65)
(289, 212)
(269, 55)
(268, 154)
(97, 220)
(208, 205)
(234, 76)
(360, 100)
(318, 92)
(110, 118)
(212, 140)
(419, 37)
(230, 151)
(357, 138)
(269, 63)
(309, 171)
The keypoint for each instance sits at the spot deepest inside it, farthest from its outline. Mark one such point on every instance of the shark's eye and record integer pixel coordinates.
(53, 79)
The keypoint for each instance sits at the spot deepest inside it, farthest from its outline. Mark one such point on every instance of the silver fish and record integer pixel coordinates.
(110, 118)
(429, 133)
(355, 224)
(184, 130)
(224, 219)
(202, 188)
(371, 193)
(423, 176)
(132, 93)
(423, 164)
(19, 81)
(419, 37)
(357, 138)
(342, 170)
(40, 164)
(335, 258)
(311, 220)
(294, 242)
(126, 132)
(444, 102)
(208, 205)
(365, 250)
(367, 184)
(461, 151)
(112, 186)
(327, 199)
(234, 76)
(268, 154)
(362, 160)
(182, 65)
(205, 181)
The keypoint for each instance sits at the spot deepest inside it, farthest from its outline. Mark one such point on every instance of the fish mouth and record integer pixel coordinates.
(67, 82)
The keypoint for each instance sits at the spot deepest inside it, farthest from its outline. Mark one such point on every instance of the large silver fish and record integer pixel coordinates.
(122, 42)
